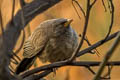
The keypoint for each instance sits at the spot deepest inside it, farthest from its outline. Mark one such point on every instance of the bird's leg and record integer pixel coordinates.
(54, 71)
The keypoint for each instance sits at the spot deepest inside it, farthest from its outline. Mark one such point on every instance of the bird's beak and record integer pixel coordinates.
(68, 22)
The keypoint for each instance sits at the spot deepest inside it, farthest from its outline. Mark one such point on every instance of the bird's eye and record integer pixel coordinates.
(63, 22)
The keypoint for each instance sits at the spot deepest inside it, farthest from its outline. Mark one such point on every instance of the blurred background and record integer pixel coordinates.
(98, 26)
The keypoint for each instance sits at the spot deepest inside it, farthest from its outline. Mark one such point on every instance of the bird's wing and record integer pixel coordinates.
(35, 43)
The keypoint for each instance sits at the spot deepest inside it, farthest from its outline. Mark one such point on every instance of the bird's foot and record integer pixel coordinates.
(54, 71)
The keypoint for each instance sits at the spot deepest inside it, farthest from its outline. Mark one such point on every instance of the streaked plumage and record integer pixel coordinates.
(52, 41)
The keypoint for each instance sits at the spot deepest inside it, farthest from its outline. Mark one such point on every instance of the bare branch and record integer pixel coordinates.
(76, 10)
(12, 32)
(99, 43)
(63, 63)
(93, 3)
(84, 31)
(107, 57)
(89, 44)
(40, 75)
(109, 7)
(104, 5)
(112, 18)
(109, 71)
(31, 10)
(23, 24)
(89, 68)
(59, 64)
(4, 55)
(13, 9)
(79, 7)
(1, 22)
(22, 42)
(38, 6)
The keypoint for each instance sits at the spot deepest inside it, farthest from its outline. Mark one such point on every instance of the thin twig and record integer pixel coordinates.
(109, 5)
(104, 5)
(75, 9)
(112, 18)
(28, 30)
(38, 76)
(79, 7)
(13, 9)
(22, 42)
(1, 22)
(97, 52)
(22, 16)
(89, 44)
(84, 31)
(23, 24)
(109, 71)
(107, 57)
(94, 73)
(97, 44)
(93, 3)
(89, 68)
(22, 12)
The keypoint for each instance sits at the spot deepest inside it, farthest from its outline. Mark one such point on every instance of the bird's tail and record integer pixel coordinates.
(25, 64)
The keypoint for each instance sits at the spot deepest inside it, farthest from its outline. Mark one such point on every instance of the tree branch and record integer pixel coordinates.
(85, 29)
(58, 64)
(112, 18)
(107, 57)
(104, 5)
(12, 32)
(79, 7)
(97, 44)
(63, 63)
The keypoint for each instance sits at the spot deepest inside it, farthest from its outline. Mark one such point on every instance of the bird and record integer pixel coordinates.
(52, 41)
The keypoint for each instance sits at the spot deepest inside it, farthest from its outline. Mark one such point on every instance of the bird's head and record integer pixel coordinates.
(60, 26)
(57, 27)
